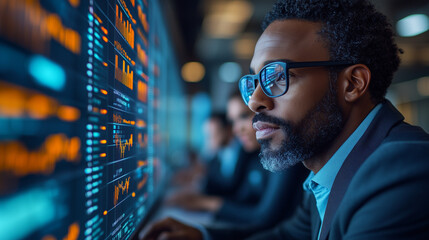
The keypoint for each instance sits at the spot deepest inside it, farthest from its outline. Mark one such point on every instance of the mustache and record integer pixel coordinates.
(274, 120)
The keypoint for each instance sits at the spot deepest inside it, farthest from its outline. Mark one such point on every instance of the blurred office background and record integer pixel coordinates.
(215, 40)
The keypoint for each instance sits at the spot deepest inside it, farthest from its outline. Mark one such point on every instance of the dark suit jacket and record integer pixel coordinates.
(380, 192)
(218, 184)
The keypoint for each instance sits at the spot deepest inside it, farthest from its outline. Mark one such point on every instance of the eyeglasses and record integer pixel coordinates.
(274, 77)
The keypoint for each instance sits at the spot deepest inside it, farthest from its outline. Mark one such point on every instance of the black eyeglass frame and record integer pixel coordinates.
(286, 66)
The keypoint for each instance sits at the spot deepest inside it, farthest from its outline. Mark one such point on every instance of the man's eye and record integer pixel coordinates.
(281, 79)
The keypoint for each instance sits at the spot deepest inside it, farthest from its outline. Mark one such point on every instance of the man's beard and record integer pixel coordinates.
(311, 136)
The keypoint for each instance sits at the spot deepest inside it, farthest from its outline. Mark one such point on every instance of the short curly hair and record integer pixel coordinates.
(355, 31)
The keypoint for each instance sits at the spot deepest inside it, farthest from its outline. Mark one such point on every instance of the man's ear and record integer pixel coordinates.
(355, 82)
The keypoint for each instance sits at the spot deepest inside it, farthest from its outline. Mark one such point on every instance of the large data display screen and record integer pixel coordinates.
(79, 118)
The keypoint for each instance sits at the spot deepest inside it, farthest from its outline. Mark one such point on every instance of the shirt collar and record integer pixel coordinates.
(326, 176)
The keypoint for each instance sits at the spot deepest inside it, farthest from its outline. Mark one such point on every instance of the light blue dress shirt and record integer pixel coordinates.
(320, 184)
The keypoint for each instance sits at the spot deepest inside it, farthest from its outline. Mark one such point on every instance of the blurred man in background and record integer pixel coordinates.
(215, 169)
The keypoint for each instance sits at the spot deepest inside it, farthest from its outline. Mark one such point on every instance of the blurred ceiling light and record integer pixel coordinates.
(413, 25)
(227, 18)
(193, 72)
(423, 86)
(244, 46)
(216, 27)
(230, 72)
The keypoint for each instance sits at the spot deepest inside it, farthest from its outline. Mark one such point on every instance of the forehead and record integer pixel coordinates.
(295, 40)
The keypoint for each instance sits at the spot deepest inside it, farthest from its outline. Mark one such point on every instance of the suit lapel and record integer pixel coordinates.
(386, 118)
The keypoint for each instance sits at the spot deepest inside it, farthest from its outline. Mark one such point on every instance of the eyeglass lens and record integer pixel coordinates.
(272, 79)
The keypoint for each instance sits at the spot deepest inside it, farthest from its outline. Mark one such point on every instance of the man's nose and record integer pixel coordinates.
(259, 101)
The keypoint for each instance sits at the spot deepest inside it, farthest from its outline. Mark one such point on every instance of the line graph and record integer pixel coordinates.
(123, 145)
(120, 189)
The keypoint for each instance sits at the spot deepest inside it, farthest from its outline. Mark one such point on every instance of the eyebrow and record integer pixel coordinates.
(270, 61)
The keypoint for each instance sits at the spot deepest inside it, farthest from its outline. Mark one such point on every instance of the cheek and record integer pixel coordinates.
(301, 97)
